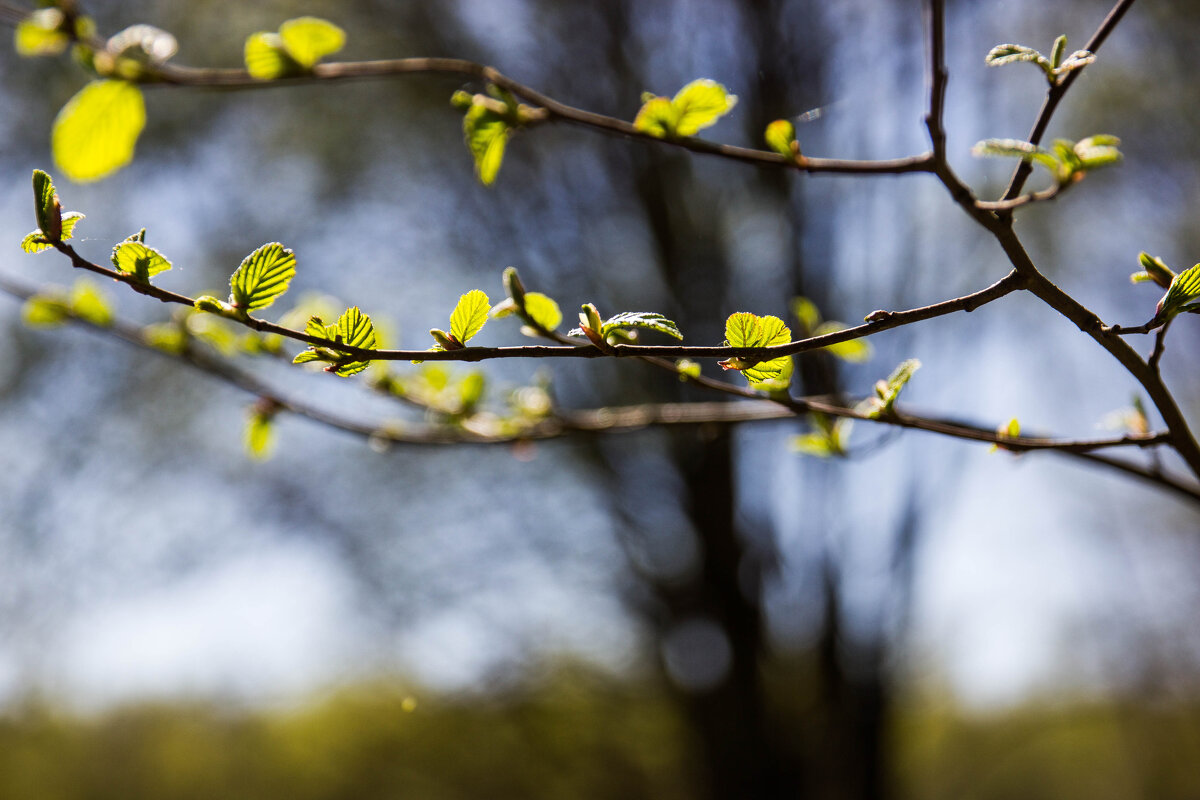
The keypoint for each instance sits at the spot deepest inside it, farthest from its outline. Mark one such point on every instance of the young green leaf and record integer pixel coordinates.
(88, 303)
(699, 105)
(744, 329)
(266, 58)
(486, 134)
(648, 320)
(1003, 54)
(1185, 287)
(887, 391)
(829, 437)
(353, 328)
(469, 316)
(46, 207)
(657, 117)
(1153, 269)
(542, 311)
(259, 431)
(96, 131)
(36, 241)
(781, 137)
(856, 351)
(1009, 430)
(1056, 53)
(44, 311)
(132, 257)
(309, 39)
(262, 276)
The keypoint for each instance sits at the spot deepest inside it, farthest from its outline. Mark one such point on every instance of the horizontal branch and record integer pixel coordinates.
(879, 321)
(177, 75)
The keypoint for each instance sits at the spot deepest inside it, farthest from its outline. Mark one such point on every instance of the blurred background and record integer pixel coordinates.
(694, 613)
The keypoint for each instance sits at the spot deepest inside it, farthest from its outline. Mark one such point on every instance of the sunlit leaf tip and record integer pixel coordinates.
(695, 107)
(486, 134)
(781, 137)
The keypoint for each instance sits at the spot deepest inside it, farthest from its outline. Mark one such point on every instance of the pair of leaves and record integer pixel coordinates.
(695, 107)
(887, 391)
(744, 329)
(1066, 160)
(1056, 68)
(54, 225)
(85, 302)
(621, 328)
(856, 351)
(353, 328)
(540, 313)
(294, 50)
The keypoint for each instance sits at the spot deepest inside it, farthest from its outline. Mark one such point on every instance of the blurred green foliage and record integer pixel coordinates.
(576, 734)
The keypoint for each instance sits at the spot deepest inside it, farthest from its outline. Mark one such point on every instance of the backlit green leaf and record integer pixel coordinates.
(781, 137)
(744, 329)
(35, 242)
(258, 435)
(89, 303)
(542, 311)
(309, 39)
(469, 316)
(96, 131)
(700, 104)
(657, 117)
(46, 207)
(806, 312)
(355, 329)
(135, 258)
(640, 319)
(856, 351)
(43, 311)
(1003, 54)
(486, 134)
(262, 276)
(266, 58)
(1185, 287)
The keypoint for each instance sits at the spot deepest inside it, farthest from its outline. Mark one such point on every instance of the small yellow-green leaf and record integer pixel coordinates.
(46, 208)
(258, 436)
(96, 131)
(657, 117)
(88, 303)
(43, 311)
(687, 368)
(542, 311)
(262, 276)
(35, 242)
(266, 58)
(469, 316)
(355, 329)
(135, 258)
(743, 329)
(69, 221)
(700, 104)
(855, 351)
(41, 34)
(309, 39)
(486, 134)
(781, 137)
